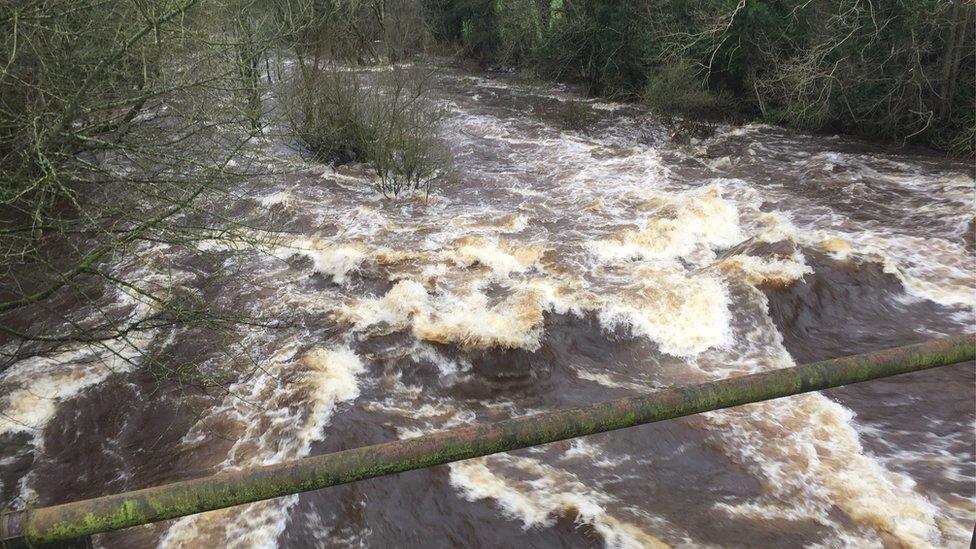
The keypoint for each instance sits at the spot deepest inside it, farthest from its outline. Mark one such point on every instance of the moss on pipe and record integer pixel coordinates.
(81, 518)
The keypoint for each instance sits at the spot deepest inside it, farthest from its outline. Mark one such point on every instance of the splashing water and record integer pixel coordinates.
(558, 268)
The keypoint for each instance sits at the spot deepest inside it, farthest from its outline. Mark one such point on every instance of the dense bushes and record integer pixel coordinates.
(893, 70)
(340, 114)
(472, 25)
(604, 45)
(323, 113)
(389, 123)
(676, 88)
(362, 31)
(897, 70)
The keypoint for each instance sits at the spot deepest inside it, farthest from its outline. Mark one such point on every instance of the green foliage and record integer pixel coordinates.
(600, 44)
(521, 25)
(467, 24)
(896, 70)
(899, 70)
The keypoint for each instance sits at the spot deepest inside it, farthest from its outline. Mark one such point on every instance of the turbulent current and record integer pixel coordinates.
(551, 267)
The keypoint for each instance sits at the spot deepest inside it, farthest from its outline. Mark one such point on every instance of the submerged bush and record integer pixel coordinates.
(677, 88)
(327, 116)
(404, 149)
(574, 116)
(390, 124)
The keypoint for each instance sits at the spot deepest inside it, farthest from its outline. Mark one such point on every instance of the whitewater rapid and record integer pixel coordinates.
(551, 267)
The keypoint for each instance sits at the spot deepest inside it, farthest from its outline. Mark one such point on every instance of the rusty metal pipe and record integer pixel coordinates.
(78, 519)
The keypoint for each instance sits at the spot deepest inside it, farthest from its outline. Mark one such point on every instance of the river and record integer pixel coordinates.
(550, 268)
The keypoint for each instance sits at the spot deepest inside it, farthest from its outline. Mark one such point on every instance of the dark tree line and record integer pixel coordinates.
(895, 69)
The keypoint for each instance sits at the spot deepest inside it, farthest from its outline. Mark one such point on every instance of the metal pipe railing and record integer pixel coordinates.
(78, 519)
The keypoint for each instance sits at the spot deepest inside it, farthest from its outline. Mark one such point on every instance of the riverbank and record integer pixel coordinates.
(901, 73)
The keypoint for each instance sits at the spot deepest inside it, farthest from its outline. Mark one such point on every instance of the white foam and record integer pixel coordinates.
(684, 314)
(334, 260)
(807, 454)
(809, 458)
(936, 269)
(550, 494)
(687, 225)
(280, 420)
(468, 320)
(35, 387)
(502, 258)
(273, 199)
(575, 224)
(758, 270)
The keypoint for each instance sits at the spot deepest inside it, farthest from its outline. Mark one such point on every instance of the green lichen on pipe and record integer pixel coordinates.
(77, 519)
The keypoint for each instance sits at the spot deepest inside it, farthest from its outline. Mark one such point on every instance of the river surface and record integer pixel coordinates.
(552, 267)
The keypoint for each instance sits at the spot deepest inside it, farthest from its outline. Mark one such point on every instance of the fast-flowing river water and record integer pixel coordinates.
(551, 268)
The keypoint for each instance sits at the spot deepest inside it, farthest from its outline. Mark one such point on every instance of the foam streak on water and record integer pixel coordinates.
(280, 420)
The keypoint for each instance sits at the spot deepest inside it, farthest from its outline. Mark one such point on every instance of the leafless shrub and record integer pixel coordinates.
(120, 128)
(364, 31)
(568, 115)
(677, 87)
(389, 123)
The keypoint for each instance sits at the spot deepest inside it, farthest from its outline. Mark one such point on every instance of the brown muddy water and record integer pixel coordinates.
(553, 267)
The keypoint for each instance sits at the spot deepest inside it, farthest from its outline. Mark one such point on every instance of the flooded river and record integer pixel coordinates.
(550, 268)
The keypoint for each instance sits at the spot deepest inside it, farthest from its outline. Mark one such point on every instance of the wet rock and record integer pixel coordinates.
(723, 163)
